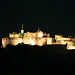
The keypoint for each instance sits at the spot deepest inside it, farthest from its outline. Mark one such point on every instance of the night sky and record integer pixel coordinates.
(53, 16)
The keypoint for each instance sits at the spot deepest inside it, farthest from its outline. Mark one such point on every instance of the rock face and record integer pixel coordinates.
(31, 60)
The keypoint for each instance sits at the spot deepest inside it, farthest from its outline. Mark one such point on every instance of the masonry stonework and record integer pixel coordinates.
(37, 38)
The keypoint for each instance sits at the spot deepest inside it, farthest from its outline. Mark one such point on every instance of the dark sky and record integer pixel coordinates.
(54, 16)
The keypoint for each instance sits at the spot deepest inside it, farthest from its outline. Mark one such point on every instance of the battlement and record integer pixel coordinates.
(37, 38)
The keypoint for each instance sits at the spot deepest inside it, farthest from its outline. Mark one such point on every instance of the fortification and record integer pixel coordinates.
(38, 38)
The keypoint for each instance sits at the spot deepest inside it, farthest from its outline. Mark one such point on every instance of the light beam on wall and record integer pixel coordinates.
(31, 42)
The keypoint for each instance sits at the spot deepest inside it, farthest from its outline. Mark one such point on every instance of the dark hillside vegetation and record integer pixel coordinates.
(36, 60)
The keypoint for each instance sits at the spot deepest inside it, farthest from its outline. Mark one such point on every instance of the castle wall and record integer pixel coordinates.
(28, 35)
(58, 37)
(49, 41)
(15, 41)
(14, 35)
(69, 47)
(64, 42)
(36, 38)
(61, 42)
(68, 39)
(5, 41)
(39, 34)
(41, 41)
(58, 41)
(31, 41)
(35, 41)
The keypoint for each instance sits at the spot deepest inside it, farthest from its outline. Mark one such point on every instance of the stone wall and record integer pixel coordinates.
(49, 41)
(70, 47)
(33, 41)
(5, 41)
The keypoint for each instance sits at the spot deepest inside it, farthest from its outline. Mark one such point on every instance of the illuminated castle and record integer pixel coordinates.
(38, 38)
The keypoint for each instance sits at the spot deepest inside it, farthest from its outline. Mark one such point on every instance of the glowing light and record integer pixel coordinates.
(20, 41)
(40, 44)
(40, 35)
(31, 42)
(70, 47)
(22, 31)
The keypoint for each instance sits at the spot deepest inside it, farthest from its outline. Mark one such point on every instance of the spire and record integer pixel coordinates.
(22, 31)
(22, 26)
(38, 29)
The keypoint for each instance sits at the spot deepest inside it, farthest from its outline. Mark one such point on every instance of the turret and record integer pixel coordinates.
(39, 29)
(39, 33)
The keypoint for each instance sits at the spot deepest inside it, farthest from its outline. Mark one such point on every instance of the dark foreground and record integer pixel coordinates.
(34, 60)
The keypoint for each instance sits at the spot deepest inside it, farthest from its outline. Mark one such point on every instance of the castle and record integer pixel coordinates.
(38, 38)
